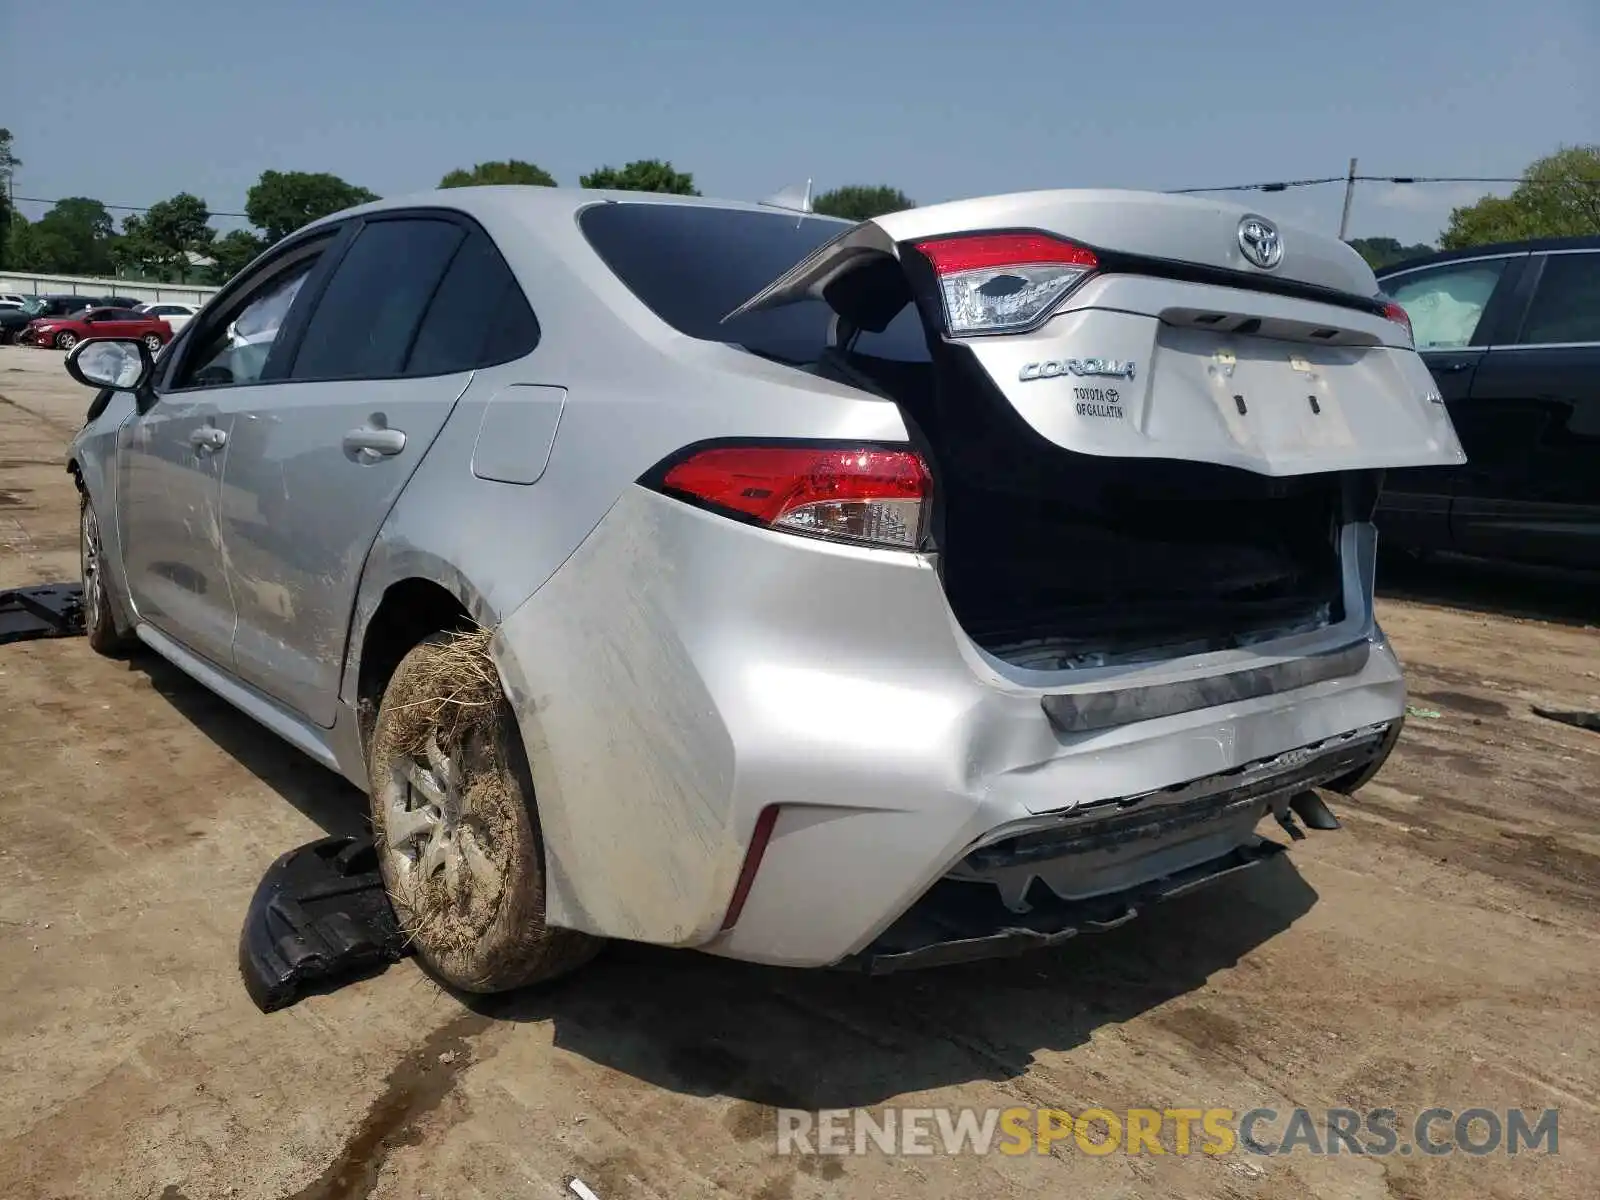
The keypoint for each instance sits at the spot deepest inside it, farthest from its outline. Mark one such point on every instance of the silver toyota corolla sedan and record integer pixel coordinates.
(807, 592)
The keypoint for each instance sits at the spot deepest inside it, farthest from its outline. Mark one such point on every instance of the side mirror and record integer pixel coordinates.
(111, 363)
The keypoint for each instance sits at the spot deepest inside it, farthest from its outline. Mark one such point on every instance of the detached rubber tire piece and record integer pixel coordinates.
(99, 619)
(456, 827)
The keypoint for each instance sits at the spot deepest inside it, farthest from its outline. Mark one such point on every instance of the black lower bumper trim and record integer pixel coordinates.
(957, 921)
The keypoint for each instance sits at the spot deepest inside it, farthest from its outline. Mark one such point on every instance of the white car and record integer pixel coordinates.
(175, 315)
(12, 300)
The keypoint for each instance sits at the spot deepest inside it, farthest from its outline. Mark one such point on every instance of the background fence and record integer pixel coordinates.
(31, 284)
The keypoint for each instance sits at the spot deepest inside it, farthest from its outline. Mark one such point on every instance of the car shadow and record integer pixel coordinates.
(326, 798)
(1500, 589)
(703, 1026)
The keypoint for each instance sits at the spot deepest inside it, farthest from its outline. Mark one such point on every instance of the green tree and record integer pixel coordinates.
(643, 175)
(9, 162)
(283, 201)
(135, 252)
(1559, 196)
(73, 238)
(513, 170)
(233, 252)
(861, 202)
(1384, 251)
(176, 228)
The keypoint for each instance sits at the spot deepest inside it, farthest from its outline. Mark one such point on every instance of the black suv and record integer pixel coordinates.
(1511, 333)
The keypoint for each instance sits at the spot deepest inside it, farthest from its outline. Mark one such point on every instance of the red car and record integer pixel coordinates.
(66, 332)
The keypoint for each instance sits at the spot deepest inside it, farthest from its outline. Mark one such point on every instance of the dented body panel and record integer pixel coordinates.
(890, 754)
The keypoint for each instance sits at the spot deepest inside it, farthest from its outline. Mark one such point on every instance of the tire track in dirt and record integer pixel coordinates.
(56, 426)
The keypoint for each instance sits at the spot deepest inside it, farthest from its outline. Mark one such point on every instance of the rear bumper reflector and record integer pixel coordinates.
(752, 863)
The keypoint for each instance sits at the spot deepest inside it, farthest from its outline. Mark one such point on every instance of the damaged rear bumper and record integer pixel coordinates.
(1035, 884)
(958, 922)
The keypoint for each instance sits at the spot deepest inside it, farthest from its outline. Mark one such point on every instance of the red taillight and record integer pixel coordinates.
(752, 863)
(985, 250)
(857, 494)
(1400, 317)
(1004, 282)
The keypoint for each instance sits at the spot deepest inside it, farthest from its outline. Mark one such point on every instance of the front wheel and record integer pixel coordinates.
(99, 623)
(66, 340)
(153, 343)
(455, 823)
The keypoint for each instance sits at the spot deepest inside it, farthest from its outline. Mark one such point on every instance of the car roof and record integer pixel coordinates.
(1530, 246)
(527, 200)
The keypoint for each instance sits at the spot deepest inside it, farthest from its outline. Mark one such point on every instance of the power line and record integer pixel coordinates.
(1285, 185)
(1282, 186)
(136, 208)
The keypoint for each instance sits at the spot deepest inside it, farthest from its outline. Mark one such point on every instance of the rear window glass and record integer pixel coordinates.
(692, 266)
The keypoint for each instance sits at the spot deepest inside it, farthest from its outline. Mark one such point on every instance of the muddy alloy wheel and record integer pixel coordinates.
(457, 830)
(98, 621)
(152, 342)
(66, 340)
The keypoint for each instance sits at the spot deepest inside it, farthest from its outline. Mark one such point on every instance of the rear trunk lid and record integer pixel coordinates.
(1176, 343)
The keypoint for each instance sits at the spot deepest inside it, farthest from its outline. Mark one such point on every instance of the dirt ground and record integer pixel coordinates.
(1443, 949)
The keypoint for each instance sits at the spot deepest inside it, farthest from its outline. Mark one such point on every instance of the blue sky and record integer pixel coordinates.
(941, 99)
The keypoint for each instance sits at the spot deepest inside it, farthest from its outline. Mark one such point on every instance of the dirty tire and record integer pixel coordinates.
(457, 830)
(99, 623)
(66, 340)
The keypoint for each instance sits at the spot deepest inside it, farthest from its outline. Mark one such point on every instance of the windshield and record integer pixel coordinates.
(33, 307)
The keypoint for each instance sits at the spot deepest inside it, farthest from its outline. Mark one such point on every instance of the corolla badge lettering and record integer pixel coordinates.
(1116, 368)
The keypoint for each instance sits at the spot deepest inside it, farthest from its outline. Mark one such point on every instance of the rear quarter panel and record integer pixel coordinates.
(636, 392)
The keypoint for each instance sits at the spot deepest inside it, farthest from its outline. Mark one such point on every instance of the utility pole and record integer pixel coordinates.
(1349, 195)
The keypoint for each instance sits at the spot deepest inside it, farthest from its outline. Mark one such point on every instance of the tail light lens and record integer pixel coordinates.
(1004, 282)
(1400, 317)
(871, 497)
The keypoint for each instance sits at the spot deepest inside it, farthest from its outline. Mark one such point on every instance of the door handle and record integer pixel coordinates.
(207, 438)
(1452, 368)
(375, 442)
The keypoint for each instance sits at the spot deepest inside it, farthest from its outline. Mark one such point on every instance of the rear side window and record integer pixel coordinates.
(478, 317)
(692, 266)
(1566, 308)
(1446, 303)
(363, 325)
